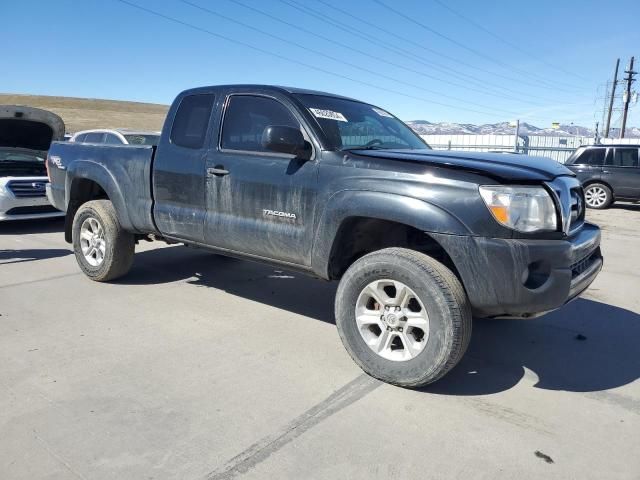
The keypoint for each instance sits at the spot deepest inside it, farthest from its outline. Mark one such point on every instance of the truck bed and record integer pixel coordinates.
(123, 171)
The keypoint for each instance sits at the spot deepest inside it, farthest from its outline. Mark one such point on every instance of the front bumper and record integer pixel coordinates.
(24, 208)
(524, 278)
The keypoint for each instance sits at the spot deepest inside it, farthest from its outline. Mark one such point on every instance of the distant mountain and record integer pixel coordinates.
(424, 127)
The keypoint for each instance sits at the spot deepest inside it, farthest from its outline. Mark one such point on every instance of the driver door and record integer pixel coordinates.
(259, 202)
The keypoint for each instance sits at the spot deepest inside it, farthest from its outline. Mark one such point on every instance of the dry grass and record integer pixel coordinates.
(84, 113)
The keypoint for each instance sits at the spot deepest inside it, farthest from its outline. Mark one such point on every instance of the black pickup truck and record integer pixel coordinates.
(420, 240)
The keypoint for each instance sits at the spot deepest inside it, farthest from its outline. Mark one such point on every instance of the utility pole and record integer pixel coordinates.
(515, 144)
(613, 94)
(627, 96)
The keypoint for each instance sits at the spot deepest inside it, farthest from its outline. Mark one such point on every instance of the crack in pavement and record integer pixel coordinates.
(58, 457)
(38, 280)
(264, 448)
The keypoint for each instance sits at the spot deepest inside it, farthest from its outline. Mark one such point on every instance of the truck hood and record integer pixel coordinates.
(506, 167)
(29, 128)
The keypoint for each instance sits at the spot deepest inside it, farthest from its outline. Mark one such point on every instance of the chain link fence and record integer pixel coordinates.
(556, 148)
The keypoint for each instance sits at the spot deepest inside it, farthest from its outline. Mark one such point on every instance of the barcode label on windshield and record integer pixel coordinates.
(381, 112)
(328, 114)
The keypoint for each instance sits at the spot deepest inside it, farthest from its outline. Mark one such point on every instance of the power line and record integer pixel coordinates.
(351, 30)
(291, 60)
(463, 46)
(361, 52)
(332, 58)
(431, 63)
(505, 41)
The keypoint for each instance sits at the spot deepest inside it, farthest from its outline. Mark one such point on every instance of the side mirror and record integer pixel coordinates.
(279, 138)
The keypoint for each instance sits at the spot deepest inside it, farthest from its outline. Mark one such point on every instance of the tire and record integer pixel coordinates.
(598, 196)
(112, 254)
(437, 291)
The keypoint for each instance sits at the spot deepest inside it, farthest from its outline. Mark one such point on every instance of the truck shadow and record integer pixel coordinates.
(584, 347)
(257, 282)
(43, 225)
(587, 346)
(31, 255)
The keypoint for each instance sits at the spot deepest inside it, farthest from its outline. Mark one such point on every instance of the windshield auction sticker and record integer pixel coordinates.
(381, 112)
(328, 114)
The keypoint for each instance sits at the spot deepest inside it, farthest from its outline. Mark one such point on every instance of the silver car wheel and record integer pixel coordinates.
(92, 242)
(392, 320)
(595, 196)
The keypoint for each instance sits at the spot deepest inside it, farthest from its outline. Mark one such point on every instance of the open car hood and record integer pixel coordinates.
(29, 128)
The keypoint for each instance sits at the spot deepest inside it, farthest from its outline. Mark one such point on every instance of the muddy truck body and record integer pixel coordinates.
(420, 240)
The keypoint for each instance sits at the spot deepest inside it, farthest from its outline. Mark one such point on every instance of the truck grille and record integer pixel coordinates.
(577, 208)
(28, 188)
(570, 198)
(581, 266)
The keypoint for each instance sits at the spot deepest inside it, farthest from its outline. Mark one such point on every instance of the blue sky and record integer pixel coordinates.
(541, 61)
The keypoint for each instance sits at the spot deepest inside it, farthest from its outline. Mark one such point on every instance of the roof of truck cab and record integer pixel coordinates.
(277, 88)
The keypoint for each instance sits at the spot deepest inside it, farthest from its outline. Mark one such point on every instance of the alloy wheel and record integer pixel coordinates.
(392, 320)
(92, 242)
(595, 197)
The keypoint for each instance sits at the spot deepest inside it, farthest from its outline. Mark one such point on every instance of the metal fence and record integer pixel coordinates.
(556, 148)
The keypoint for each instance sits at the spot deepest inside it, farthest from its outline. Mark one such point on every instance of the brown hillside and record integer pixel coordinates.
(84, 113)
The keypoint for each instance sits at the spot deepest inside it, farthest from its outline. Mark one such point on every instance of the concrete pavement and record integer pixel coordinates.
(198, 366)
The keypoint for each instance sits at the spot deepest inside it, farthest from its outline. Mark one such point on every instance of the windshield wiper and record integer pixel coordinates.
(364, 147)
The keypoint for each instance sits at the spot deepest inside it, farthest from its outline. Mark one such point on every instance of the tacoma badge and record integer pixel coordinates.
(274, 213)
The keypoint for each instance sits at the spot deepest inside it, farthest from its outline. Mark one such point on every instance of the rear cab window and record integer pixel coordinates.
(191, 121)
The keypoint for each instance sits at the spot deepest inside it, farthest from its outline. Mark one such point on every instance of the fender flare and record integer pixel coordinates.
(89, 170)
(383, 206)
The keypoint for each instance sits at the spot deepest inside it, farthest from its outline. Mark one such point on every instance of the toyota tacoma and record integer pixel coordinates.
(419, 240)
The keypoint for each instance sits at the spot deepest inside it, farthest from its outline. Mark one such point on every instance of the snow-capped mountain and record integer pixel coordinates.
(425, 127)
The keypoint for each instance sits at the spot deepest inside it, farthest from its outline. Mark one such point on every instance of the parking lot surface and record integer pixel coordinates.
(199, 366)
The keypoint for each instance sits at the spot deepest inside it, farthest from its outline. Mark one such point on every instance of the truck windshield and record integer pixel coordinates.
(351, 125)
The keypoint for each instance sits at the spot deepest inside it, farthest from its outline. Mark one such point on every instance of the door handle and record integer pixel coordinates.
(218, 171)
(606, 171)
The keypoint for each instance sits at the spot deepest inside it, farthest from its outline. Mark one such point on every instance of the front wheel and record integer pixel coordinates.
(403, 317)
(598, 196)
(104, 250)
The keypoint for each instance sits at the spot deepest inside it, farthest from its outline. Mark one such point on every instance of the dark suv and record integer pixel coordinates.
(607, 172)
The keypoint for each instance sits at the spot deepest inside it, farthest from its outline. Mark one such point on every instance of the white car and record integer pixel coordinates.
(118, 136)
(25, 137)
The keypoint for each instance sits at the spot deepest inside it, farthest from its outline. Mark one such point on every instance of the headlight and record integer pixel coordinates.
(526, 209)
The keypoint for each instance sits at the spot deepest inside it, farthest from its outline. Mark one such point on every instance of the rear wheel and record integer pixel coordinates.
(403, 317)
(598, 196)
(104, 250)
